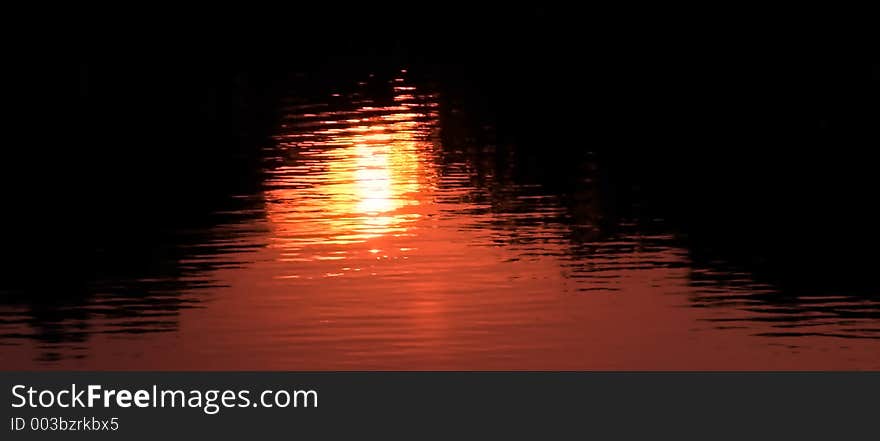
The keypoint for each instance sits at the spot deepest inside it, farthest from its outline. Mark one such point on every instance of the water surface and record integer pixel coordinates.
(384, 230)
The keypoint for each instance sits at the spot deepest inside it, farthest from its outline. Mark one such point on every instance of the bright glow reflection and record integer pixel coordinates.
(351, 176)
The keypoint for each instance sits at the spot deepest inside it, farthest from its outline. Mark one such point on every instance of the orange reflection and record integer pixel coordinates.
(349, 176)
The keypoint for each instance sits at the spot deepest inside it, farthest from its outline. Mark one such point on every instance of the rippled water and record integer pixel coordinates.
(381, 235)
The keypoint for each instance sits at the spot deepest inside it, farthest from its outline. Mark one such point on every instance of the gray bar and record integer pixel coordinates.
(488, 405)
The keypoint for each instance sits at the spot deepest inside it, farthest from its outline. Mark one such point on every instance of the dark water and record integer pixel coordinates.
(384, 224)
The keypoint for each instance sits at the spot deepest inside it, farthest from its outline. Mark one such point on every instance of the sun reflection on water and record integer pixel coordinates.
(352, 175)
